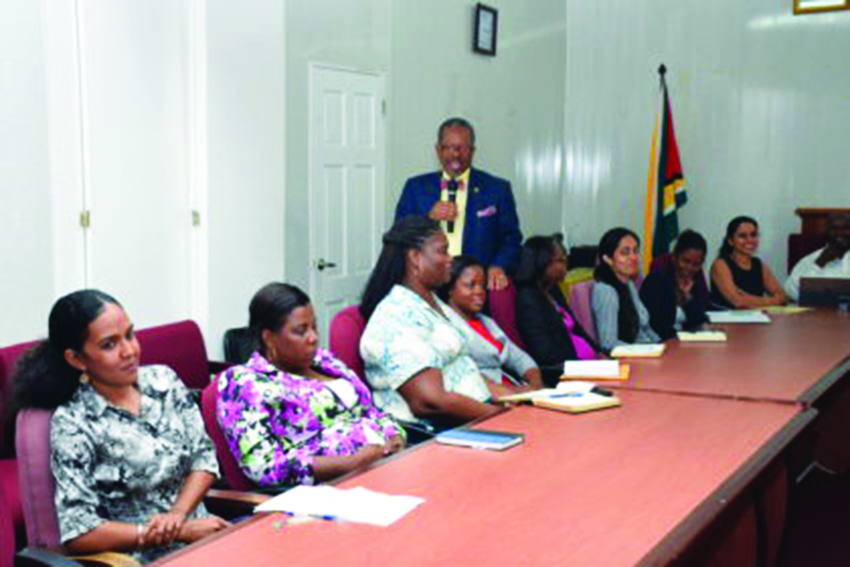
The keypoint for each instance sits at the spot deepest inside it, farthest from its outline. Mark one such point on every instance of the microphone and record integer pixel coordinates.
(450, 225)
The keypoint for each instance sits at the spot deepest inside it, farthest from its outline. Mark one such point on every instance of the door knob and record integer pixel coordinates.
(321, 264)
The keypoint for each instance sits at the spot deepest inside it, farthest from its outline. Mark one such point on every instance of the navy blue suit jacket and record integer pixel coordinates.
(491, 230)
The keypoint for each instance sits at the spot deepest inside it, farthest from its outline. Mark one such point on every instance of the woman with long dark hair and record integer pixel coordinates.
(497, 357)
(415, 359)
(739, 279)
(294, 413)
(129, 451)
(618, 312)
(675, 293)
(551, 332)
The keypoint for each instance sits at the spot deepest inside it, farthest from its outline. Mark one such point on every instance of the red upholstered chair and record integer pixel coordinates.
(503, 310)
(580, 304)
(180, 346)
(230, 469)
(345, 331)
(12, 531)
(32, 441)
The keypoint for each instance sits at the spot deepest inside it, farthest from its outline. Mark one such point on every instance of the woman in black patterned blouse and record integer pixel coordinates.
(129, 452)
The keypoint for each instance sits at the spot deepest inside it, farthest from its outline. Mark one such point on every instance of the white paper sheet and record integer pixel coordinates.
(353, 505)
(592, 368)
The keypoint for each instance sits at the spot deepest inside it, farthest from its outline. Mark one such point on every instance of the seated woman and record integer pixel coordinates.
(129, 452)
(294, 414)
(495, 355)
(415, 359)
(620, 316)
(739, 280)
(675, 293)
(547, 325)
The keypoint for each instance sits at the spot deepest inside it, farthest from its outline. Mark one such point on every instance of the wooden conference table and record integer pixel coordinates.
(795, 359)
(635, 484)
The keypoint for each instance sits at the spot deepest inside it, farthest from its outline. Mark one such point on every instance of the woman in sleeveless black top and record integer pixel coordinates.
(738, 278)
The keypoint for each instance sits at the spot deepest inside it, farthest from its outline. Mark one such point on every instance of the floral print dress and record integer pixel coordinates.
(276, 423)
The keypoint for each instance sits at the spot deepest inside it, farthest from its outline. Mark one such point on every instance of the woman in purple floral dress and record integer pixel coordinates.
(294, 414)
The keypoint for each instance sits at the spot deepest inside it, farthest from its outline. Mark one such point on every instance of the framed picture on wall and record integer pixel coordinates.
(484, 34)
(815, 6)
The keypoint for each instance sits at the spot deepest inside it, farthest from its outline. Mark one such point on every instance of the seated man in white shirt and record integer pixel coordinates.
(831, 261)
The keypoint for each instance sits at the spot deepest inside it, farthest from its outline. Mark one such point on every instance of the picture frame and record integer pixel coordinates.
(485, 30)
(818, 6)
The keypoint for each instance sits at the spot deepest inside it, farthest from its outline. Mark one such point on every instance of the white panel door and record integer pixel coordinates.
(135, 129)
(347, 162)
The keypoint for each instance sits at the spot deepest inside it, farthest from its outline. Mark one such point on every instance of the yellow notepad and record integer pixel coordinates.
(638, 351)
(702, 337)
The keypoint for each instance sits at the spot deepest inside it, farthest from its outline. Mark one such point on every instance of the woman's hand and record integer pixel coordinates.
(162, 529)
(193, 530)
(394, 445)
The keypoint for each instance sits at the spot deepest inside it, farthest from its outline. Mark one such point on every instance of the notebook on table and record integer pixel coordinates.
(480, 438)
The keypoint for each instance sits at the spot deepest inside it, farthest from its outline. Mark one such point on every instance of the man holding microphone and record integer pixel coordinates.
(477, 210)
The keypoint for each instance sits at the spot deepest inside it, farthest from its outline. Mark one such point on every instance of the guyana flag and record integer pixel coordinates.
(665, 192)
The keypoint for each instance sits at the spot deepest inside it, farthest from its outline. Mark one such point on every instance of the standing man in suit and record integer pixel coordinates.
(476, 209)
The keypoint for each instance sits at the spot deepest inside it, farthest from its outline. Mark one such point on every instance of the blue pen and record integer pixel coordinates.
(568, 395)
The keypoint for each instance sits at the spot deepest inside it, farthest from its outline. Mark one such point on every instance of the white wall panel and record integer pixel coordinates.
(245, 98)
(26, 251)
(135, 125)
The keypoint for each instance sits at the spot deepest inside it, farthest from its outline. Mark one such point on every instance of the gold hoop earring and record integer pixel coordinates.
(84, 378)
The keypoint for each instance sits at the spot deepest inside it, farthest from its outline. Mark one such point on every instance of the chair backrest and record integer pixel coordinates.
(801, 245)
(238, 345)
(9, 357)
(37, 486)
(233, 475)
(7, 534)
(180, 346)
(345, 331)
(503, 310)
(580, 304)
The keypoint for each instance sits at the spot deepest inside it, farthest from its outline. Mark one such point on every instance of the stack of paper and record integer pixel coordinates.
(744, 316)
(702, 337)
(638, 351)
(595, 369)
(354, 505)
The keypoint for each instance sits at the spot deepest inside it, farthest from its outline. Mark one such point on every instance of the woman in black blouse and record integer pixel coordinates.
(739, 280)
(547, 325)
(675, 292)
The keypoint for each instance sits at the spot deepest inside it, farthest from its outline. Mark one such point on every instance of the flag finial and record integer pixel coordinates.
(662, 69)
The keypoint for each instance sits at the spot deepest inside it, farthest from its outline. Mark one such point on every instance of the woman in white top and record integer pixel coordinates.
(416, 361)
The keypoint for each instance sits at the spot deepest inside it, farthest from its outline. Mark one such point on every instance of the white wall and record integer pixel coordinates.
(26, 251)
(759, 99)
(245, 99)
